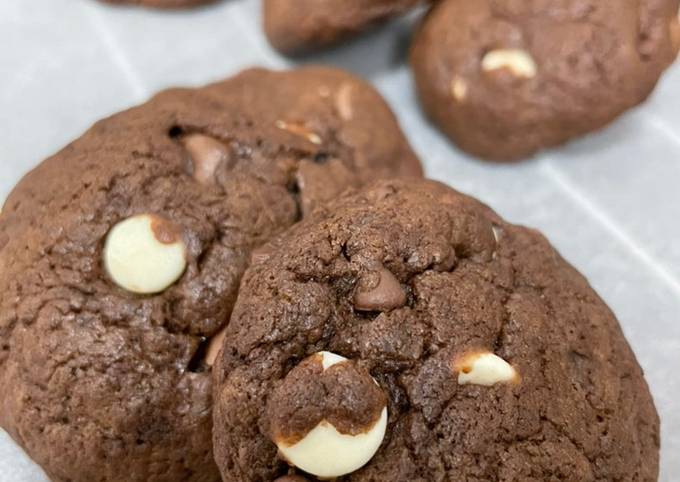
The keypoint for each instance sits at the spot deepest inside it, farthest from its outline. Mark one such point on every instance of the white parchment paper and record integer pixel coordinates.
(609, 202)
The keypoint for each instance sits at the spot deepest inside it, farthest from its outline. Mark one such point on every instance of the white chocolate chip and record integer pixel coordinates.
(299, 130)
(459, 88)
(144, 254)
(329, 359)
(484, 369)
(343, 102)
(497, 233)
(519, 62)
(214, 346)
(327, 453)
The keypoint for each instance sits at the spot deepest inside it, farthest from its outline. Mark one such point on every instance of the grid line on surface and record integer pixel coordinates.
(553, 174)
(661, 125)
(241, 23)
(118, 55)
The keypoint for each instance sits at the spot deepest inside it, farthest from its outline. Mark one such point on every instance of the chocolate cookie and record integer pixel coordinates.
(120, 259)
(410, 334)
(298, 25)
(505, 79)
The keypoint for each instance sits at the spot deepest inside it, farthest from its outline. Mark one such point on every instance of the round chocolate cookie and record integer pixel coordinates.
(505, 79)
(120, 259)
(300, 25)
(410, 334)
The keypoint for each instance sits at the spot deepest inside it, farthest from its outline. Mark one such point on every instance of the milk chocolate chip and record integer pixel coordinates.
(379, 291)
(214, 347)
(206, 153)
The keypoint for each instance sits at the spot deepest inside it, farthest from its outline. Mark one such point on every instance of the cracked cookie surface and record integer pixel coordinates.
(293, 26)
(505, 79)
(497, 359)
(104, 359)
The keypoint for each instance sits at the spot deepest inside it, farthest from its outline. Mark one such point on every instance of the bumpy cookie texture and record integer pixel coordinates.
(505, 79)
(499, 362)
(293, 26)
(120, 259)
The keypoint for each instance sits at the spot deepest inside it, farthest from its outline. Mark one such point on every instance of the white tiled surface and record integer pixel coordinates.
(610, 202)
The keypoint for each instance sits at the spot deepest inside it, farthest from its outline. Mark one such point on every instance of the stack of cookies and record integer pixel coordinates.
(251, 281)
